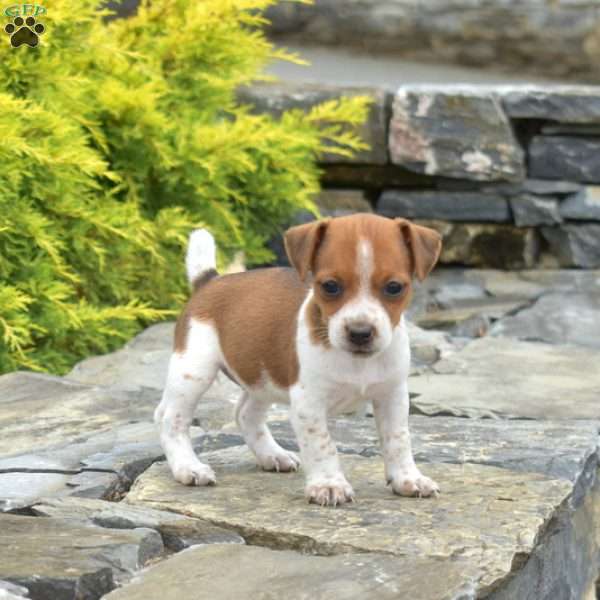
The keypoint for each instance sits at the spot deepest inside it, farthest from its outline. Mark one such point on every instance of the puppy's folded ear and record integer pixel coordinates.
(424, 244)
(301, 245)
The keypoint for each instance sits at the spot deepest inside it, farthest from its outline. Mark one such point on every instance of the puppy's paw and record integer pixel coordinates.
(329, 492)
(280, 461)
(413, 483)
(196, 474)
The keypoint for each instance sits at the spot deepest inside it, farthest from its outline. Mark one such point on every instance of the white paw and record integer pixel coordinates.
(194, 474)
(413, 483)
(280, 460)
(329, 492)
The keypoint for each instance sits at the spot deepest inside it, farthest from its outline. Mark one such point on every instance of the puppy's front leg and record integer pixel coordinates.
(325, 482)
(401, 472)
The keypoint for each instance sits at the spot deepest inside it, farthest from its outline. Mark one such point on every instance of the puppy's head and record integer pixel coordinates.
(361, 270)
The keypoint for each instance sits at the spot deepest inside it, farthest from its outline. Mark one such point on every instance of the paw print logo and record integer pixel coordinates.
(24, 32)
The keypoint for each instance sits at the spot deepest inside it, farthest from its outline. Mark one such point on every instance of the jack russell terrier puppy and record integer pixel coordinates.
(323, 337)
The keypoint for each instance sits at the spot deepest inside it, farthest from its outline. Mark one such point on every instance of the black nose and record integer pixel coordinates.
(360, 335)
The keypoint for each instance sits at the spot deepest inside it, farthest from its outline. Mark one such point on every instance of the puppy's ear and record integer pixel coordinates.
(301, 245)
(424, 244)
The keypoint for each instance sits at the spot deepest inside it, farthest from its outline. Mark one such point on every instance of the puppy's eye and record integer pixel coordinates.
(393, 288)
(331, 288)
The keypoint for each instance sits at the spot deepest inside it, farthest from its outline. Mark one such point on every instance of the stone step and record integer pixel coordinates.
(517, 517)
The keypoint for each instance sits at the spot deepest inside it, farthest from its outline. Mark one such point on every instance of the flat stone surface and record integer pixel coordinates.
(567, 318)
(585, 205)
(565, 104)
(529, 210)
(496, 246)
(557, 449)
(488, 529)
(8, 591)
(507, 378)
(261, 573)
(464, 311)
(94, 466)
(563, 157)
(449, 206)
(276, 98)
(575, 245)
(61, 559)
(178, 532)
(337, 203)
(38, 408)
(453, 132)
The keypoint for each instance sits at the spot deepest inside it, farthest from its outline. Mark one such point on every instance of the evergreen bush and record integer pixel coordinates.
(119, 137)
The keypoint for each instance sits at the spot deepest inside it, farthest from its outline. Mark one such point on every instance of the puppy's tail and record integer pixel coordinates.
(200, 260)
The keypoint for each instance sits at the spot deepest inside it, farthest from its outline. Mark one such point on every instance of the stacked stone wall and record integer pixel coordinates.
(509, 175)
(558, 38)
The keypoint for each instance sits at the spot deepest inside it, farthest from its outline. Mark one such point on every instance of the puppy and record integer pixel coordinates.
(323, 337)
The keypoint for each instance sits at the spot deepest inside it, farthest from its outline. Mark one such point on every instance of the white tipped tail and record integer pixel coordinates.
(201, 256)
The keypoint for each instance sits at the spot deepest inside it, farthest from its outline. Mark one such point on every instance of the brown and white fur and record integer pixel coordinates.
(285, 338)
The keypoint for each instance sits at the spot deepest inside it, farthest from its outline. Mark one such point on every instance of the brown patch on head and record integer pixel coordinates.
(330, 251)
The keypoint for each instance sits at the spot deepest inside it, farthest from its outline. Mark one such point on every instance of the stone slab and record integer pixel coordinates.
(564, 157)
(177, 531)
(557, 449)
(563, 104)
(338, 203)
(584, 206)
(487, 245)
(489, 528)
(462, 315)
(94, 466)
(8, 591)
(449, 206)
(572, 318)
(575, 245)
(264, 573)
(454, 132)
(40, 409)
(507, 378)
(274, 99)
(62, 560)
(529, 210)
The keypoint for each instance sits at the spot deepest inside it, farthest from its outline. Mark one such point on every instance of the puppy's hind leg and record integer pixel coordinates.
(191, 373)
(251, 414)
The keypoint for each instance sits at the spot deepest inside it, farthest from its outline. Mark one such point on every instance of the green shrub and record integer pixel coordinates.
(118, 138)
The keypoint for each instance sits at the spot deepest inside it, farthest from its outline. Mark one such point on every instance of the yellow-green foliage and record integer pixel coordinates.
(118, 138)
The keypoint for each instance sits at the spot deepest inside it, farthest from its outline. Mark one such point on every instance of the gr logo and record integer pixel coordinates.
(24, 10)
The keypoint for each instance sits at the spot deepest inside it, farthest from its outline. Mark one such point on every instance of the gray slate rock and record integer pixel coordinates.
(449, 206)
(264, 573)
(562, 157)
(454, 132)
(585, 205)
(43, 410)
(530, 211)
(177, 531)
(499, 377)
(575, 245)
(274, 99)
(565, 104)
(571, 318)
(338, 203)
(487, 530)
(61, 559)
(8, 591)
(486, 245)
(469, 317)
(557, 449)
